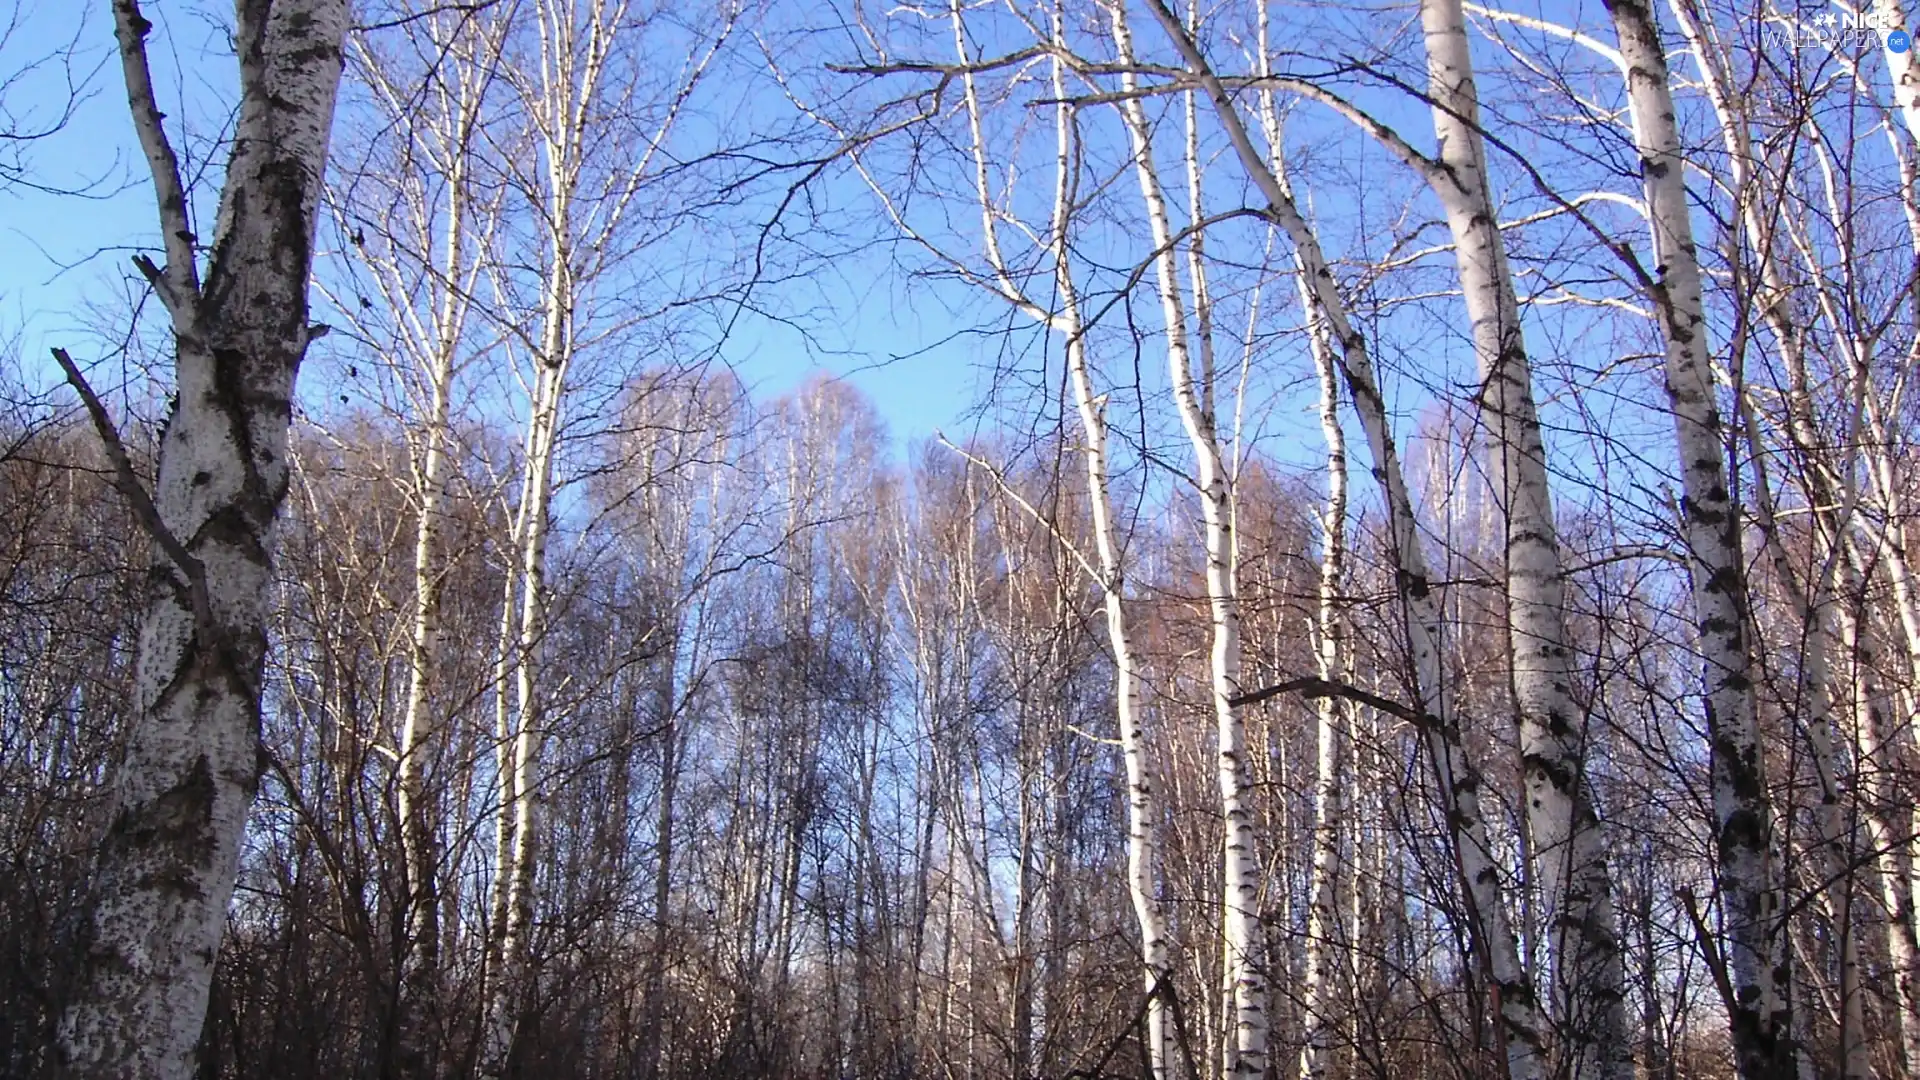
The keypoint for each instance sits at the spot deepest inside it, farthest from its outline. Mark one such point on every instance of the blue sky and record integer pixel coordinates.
(66, 279)
(922, 350)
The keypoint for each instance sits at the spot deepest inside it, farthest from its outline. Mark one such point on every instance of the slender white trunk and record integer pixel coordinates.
(419, 733)
(507, 777)
(1891, 822)
(418, 840)
(1457, 779)
(1759, 1014)
(1815, 693)
(167, 863)
(551, 361)
(1900, 877)
(1143, 812)
(1244, 973)
(1568, 850)
(520, 807)
(1814, 697)
(1321, 990)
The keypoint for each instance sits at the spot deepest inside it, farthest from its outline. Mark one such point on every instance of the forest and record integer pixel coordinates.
(1413, 584)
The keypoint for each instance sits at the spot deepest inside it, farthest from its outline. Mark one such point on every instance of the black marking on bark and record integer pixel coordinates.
(174, 831)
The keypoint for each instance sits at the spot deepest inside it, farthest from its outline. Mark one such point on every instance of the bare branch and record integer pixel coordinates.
(1588, 41)
(1000, 481)
(1312, 686)
(136, 494)
(179, 283)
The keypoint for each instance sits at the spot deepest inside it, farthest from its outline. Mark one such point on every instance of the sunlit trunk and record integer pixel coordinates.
(166, 866)
(1244, 975)
(1567, 849)
(1759, 1012)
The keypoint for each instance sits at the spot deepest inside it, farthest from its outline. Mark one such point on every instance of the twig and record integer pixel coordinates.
(1310, 686)
(1006, 489)
(1716, 966)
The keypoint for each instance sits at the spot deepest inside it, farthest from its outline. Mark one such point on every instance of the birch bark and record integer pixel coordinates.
(1890, 824)
(424, 267)
(558, 98)
(580, 182)
(1330, 738)
(1568, 848)
(518, 821)
(1143, 812)
(1244, 971)
(1760, 1014)
(167, 864)
(1457, 779)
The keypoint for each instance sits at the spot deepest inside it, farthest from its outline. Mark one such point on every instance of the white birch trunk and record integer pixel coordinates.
(1244, 972)
(507, 644)
(1143, 812)
(1815, 693)
(1900, 878)
(1321, 990)
(520, 814)
(570, 98)
(418, 840)
(1568, 850)
(167, 864)
(434, 348)
(1890, 821)
(1759, 1015)
(1458, 780)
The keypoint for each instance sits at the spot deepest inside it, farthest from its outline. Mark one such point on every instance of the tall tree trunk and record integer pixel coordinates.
(506, 775)
(1891, 824)
(519, 817)
(1568, 850)
(167, 864)
(419, 733)
(419, 841)
(1760, 1013)
(656, 984)
(1244, 974)
(1143, 811)
(1458, 780)
(1321, 990)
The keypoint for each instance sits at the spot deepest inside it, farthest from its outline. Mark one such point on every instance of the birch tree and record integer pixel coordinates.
(1063, 316)
(1244, 972)
(239, 322)
(1459, 780)
(1568, 849)
(1321, 994)
(580, 185)
(1759, 1009)
(422, 254)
